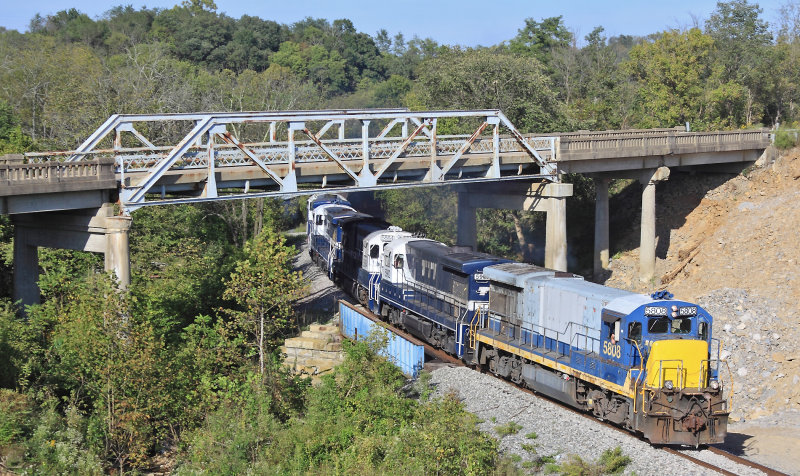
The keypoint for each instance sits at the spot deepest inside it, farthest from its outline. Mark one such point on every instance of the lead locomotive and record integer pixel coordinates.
(647, 363)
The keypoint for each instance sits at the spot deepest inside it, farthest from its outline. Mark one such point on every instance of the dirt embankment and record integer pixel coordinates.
(733, 246)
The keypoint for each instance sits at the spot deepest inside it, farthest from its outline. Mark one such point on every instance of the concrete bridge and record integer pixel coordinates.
(63, 199)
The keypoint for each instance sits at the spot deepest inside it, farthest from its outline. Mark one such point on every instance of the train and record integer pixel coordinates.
(647, 363)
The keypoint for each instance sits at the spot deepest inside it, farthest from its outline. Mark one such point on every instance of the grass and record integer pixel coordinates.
(510, 428)
(610, 462)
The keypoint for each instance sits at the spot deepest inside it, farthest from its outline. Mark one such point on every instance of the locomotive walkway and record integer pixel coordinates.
(62, 199)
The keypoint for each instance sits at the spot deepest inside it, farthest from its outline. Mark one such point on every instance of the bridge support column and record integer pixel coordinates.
(117, 254)
(555, 248)
(96, 230)
(647, 247)
(467, 222)
(550, 198)
(26, 268)
(601, 216)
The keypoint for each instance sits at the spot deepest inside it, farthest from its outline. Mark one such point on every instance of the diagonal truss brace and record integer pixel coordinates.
(227, 137)
(401, 149)
(331, 154)
(465, 147)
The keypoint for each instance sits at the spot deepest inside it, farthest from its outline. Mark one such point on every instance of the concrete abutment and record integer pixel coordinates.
(96, 230)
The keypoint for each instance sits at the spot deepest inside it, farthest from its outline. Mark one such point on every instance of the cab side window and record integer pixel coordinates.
(702, 329)
(373, 251)
(319, 219)
(635, 331)
(398, 261)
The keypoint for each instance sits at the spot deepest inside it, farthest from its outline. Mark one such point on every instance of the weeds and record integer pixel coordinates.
(510, 428)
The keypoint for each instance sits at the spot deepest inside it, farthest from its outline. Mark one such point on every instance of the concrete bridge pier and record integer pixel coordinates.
(467, 222)
(550, 198)
(96, 230)
(647, 248)
(601, 217)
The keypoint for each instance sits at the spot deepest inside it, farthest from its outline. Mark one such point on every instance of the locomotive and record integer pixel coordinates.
(646, 363)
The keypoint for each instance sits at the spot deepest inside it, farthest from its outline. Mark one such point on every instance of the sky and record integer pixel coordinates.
(462, 22)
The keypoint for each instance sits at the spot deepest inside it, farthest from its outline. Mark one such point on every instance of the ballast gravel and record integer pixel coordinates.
(560, 433)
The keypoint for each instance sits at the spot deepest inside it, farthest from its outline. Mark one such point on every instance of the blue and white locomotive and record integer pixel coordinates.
(647, 363)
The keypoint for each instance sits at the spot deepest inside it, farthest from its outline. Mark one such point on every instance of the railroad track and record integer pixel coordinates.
(449, 359)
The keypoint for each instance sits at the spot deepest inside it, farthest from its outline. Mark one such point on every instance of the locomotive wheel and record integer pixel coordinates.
(362, 296)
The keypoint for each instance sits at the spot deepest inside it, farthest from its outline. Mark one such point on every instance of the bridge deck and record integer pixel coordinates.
(147, 172)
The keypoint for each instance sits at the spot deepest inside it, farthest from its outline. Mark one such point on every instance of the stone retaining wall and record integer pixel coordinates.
(315, 352)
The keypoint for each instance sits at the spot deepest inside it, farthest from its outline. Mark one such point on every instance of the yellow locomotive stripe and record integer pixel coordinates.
(560, 367)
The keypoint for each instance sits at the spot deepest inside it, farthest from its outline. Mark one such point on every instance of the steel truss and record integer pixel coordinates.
(414, 155)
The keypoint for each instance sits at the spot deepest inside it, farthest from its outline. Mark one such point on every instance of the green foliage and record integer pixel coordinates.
(610, 462)
(672, 73)
(15, 411)
(422, 385)
(59, 444)
(532, 435)
(613, 461)
(510, 428)
(263, 287)
(786, 139)
(355, 422)
(539, 39)
(485, 79)
(12, 139)
(430, 211)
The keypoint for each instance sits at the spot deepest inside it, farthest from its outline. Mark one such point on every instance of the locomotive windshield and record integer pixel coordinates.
(662, 325)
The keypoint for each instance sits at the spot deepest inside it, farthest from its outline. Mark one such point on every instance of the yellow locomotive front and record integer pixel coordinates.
(679, 395)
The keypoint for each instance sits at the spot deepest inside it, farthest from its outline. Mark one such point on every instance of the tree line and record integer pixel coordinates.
(69, 72)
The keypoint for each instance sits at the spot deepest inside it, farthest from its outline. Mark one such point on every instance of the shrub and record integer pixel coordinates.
(510, 428)
(610, 462)
(786, 139)
(15, 412)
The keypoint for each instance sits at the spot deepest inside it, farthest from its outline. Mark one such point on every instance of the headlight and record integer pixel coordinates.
(714, 384)
(668, 385)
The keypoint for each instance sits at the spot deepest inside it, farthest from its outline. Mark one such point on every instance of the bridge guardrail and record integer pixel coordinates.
(49, 177)
(670, 142)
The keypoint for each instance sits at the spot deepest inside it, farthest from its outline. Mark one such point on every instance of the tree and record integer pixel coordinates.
(484, 79)
(12, 139)
(263, 287)
(539, 39)
(742, 42)
(671, 72)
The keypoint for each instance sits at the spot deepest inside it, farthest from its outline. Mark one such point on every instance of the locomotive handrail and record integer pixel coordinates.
(679, 370)
(473, 327)
(639, 376)
(719, 345)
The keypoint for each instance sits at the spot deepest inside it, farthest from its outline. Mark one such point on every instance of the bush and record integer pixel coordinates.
(510, 428)
(356, 422)
(15, 414)
(610, 462)
(786, 139)
(59, 446)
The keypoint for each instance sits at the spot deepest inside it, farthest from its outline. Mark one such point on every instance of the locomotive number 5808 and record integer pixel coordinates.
(613, 350)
